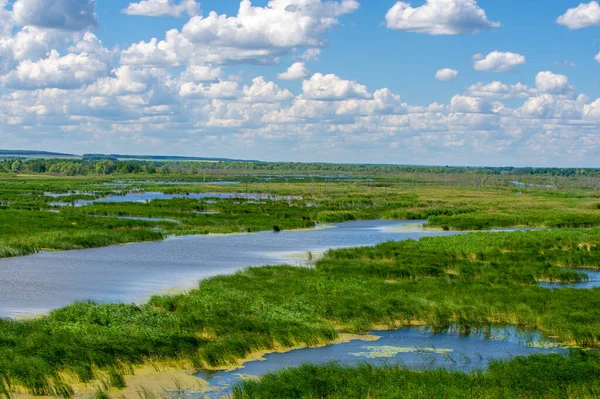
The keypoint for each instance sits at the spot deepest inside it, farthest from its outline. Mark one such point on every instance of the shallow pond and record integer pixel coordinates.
(415, 348)
(593, 282)
(142, 197)
(131, 273)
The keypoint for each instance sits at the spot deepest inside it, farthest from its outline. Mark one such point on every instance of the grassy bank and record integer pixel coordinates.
(549, 376)
(471, 281)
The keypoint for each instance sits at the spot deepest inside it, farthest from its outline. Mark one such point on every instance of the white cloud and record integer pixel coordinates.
(312, 54)
(125, 80)
(262, 91)
(499, 90)
(6, 19)
(72, 15)
(466, 104)
(30, 43)
(225, 90)
(551, 83)
(439, 17)
(582, 16)
(446, 74)
(551, 106)
(296, 71)
(174, 51)
(331, 87)
(163, 8)
(497, 61)
(201, 73)
(592, 110)
(69, 71)
(597, 57)
(243, 38)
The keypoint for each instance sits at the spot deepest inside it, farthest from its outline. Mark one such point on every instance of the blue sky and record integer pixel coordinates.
(518, 82)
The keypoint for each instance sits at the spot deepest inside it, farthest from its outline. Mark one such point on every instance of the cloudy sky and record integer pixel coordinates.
(460, 82)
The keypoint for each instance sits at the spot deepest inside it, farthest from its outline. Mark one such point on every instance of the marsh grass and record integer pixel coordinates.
(547, 376)
(470, 282)
(27, 226)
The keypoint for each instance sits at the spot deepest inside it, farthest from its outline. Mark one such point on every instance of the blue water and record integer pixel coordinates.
(414, 348)
(131, 273)
(593, 282)
(142, 197)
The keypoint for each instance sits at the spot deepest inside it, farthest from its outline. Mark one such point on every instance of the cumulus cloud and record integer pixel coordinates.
(466, 104)
(582, 16)
(31, 43)
(71, 15)
(446, 74)
(497, 61)
(6, 19)
(551, 106)
(201, 73)
(124, 81)
(439, 17)
(224, 90)
(174, 51)
(163, 8)
(69, 71)
(296, 71)
(499, 90)
(217, 38)
(592, 110)
(331, 87)
(551, 83)
(262, 91)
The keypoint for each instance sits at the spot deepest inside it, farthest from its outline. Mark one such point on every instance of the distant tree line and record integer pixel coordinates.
(94, 166)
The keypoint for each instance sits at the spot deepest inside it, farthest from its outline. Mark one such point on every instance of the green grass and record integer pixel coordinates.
(471, 282)
(27, 226)
(548, 376)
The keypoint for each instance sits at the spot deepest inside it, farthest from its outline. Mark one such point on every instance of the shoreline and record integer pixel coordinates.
(157, 378)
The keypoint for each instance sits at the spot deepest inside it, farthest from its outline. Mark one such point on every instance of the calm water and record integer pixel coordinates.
(131, 273)
(413, 348)
(121, 183)
(593, 282)
(149, 196)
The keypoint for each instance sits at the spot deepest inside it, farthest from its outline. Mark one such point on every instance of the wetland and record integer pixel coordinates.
(462, 285)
